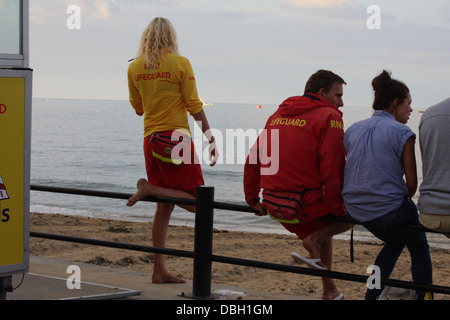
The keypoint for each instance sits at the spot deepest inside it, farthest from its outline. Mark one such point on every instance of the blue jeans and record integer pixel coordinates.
(388, 228)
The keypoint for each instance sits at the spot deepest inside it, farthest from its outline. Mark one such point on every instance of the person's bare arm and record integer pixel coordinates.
(202, 121)
(409, 166)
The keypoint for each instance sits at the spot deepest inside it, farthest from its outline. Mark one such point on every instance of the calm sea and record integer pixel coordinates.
(97, 145)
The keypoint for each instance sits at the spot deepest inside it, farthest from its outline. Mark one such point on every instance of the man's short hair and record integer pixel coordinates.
(322, 79)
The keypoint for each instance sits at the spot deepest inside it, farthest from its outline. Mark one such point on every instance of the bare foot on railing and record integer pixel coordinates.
(144, 190)
(167, 278)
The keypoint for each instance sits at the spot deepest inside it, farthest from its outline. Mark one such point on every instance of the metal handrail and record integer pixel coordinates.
(202, 254)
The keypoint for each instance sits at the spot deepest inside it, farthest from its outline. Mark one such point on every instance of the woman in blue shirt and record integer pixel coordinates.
(380, 151)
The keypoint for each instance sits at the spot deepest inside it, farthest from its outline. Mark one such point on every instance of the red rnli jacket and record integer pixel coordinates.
(301, 148)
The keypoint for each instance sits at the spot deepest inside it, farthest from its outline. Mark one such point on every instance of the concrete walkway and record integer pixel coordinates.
(47, 280)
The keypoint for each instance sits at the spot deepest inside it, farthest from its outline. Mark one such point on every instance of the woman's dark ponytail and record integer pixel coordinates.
(387, 90)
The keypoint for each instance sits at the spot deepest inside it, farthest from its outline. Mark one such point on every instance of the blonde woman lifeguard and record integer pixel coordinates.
(163, 89)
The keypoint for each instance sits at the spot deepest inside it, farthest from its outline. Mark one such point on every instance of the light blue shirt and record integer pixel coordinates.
(373, 176)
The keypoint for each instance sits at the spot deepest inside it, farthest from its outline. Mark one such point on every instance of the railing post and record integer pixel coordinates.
(5, 286)
(203, 243)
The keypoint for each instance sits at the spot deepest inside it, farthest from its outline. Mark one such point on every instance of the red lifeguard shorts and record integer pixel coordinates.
(310, 224)
(179, 171)
(303, 230)
(313, 208)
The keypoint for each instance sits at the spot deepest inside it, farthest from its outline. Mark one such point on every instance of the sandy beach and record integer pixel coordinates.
(255, 246)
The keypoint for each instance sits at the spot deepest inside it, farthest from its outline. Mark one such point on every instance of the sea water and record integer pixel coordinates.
(97, 145)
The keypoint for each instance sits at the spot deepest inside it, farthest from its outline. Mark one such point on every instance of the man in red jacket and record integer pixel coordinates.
(299, 162)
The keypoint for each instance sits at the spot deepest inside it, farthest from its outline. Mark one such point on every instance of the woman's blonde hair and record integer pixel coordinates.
(158, 38)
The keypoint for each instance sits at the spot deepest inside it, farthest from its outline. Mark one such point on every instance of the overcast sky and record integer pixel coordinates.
(249, 51)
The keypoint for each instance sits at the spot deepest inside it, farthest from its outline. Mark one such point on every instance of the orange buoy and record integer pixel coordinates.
(258, 106)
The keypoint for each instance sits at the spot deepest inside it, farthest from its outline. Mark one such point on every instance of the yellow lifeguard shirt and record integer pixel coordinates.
(164, 94)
